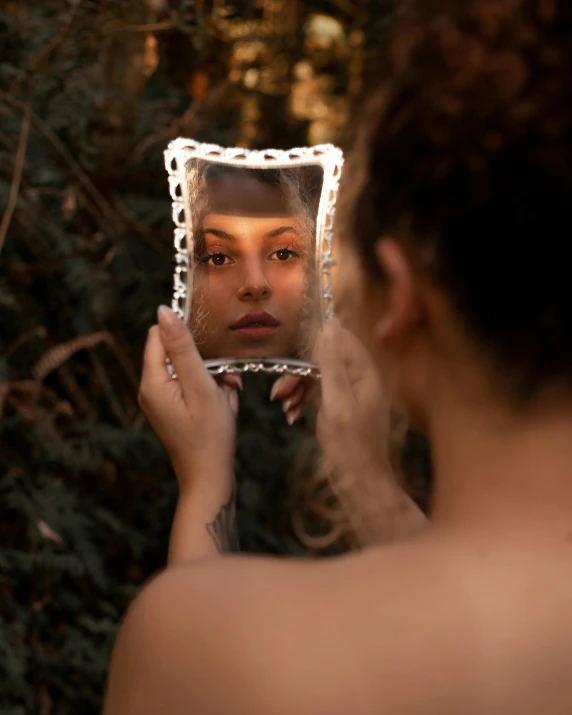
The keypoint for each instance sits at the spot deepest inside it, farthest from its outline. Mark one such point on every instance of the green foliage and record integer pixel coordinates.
(90, 94)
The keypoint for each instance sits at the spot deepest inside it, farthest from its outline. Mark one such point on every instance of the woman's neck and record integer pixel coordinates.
(498, 474)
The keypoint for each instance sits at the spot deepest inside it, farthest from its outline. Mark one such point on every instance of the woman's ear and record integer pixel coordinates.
(403, 306)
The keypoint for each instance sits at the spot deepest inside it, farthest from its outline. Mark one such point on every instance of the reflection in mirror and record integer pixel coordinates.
(254, 287)
(253, 236)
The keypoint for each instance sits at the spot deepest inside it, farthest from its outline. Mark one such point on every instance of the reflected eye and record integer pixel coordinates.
(284, 254)
(216, 259)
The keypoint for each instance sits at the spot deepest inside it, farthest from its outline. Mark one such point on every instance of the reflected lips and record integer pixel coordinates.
(255, 325)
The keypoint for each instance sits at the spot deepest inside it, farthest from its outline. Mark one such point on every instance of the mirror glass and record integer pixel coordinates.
(253, 279)
(253, 239)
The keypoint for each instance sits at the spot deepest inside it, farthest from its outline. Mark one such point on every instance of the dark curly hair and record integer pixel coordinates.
(464, 151)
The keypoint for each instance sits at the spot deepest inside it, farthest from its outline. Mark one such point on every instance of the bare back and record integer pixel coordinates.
(419, 628)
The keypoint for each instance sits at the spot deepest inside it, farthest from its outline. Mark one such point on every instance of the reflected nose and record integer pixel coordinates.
(255, 285)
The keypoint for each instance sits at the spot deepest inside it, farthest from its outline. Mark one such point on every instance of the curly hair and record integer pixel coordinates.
(464, 151)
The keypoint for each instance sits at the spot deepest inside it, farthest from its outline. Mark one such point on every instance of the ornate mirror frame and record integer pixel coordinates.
(329, 157)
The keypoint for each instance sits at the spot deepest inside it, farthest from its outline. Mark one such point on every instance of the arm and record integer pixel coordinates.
(194, 418)
(378, 507)
(355, 441)
(353, 430)
(203, 526)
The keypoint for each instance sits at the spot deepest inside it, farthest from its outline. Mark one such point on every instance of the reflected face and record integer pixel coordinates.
(251, 272)
(253, 248)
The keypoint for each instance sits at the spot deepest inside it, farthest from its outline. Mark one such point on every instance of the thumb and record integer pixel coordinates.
(359, 361)
(181, 349)
(284, 386)
(154, 370)
(336, 386)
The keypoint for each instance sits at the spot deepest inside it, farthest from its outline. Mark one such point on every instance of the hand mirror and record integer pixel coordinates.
(253, 240)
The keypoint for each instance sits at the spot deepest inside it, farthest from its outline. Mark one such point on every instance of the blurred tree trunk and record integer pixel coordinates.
(124, 68)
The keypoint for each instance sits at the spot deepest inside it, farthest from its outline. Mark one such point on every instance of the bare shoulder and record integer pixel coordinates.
(262, 635)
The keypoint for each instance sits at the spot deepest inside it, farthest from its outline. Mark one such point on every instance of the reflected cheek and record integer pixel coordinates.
(215, 294)
(288, 288)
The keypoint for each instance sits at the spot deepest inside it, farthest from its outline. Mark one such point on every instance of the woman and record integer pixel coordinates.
(459, 201)
(254, 260)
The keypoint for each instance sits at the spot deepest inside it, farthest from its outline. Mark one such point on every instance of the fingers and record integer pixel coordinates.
(229, 384)
(180, 347)
(284, 387)
(294, 414)
(360, 365)
(350, 347)
(156, 379)
(154, 358)
(354, 350)
(231, 396)
(295, 392)
(293, 406)
(295, 399)
(336, 386)
(232, 379)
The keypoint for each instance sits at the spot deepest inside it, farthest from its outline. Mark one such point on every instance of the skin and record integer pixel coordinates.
(183, 411)
(252, 255)
(473, 610)
(251, 264)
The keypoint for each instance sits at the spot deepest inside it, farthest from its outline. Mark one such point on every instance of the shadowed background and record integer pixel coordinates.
(90, 95)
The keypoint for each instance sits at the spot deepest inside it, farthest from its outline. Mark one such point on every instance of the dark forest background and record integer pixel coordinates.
(91, 92)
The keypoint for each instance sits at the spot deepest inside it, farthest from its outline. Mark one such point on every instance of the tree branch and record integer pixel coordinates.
(17, 176)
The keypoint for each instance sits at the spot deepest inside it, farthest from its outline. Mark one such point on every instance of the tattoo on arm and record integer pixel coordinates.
(223, 529)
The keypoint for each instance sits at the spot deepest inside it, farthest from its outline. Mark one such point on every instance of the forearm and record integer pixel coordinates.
(399, 516)
(378, 507)
(204, 525)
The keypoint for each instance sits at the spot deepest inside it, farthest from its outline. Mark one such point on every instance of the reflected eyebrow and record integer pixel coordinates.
(217, 233)
(279, 231)
(228, 237)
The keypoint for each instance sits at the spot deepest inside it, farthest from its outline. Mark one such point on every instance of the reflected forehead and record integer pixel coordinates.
(250, 225)
(244, 194)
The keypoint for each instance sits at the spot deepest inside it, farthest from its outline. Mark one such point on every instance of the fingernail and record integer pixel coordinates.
(275, 388)
(291, 418)
(169, 322)
(286, 405)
